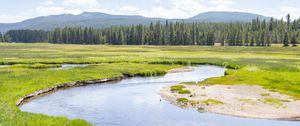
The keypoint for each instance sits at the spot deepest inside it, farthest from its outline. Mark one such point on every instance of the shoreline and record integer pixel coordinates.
(55, 88)
(236, 100)
(42, 92)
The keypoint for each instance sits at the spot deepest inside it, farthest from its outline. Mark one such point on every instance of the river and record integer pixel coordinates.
(136, 102)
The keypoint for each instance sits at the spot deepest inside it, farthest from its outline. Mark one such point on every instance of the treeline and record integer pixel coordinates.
(255, 33)
(5, 38)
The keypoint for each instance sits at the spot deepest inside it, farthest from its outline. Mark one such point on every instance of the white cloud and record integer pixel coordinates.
(188, 8)
(295, 12)
(48, 3)
(129, 8)
(69, 7)
(12, 18)
(162, 12)
(282, 11)
(80, 3)
(179, 9)
(157, 8)
(222, 2)
(53, 10)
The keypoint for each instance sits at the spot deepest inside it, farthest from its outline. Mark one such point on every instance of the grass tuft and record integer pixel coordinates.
(212, 102)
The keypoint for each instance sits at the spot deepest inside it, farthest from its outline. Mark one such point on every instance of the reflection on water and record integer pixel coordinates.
(136, 102)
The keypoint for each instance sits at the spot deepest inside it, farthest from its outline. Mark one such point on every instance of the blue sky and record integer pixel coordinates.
(18, 10)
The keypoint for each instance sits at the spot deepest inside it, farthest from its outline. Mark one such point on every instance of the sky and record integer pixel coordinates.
(19, 10)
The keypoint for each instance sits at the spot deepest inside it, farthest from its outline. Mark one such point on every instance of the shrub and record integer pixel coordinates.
(184, 92)
(212, 102)
(182, 100)
(177, 87)
(265, 94)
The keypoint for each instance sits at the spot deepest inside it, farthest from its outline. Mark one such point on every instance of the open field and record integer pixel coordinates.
(275, 68)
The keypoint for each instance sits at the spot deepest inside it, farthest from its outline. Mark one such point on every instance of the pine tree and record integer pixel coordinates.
(294, 41)
(247, 39)
(256, 33)
(288, 20)
(286, 40)
(1, 37)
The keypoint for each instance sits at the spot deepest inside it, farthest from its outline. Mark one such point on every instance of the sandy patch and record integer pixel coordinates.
(237, 100)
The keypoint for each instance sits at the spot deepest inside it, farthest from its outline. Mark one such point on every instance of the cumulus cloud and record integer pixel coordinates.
(222, 2)
(129, 8)
(68, 7)
(81, 2)
(53, 10)
(156, 8)
(290, 9)
(282, 11)
(12, 18)
(48, 3)
(188, 8)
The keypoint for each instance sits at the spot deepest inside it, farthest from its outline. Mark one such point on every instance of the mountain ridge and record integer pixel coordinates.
(99, 20)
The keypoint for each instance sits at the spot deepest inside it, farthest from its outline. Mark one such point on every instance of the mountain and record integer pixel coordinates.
(99, 20)
(219, 16)
(87, 19)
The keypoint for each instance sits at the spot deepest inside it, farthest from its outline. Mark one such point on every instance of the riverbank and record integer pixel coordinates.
(235, 100)
(88, 82)
(65, 86)
(18, 82)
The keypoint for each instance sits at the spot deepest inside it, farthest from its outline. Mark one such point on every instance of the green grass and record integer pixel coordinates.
(20, 81)
(182, 100)
(275, 68)
(180, 89)
(184, 92)
(273, 101)
(265, 94)
(212, 102)
(189, 83)
(36, 66)
(177, 87)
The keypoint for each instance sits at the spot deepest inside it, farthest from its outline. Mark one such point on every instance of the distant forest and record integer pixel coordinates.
(255, 33)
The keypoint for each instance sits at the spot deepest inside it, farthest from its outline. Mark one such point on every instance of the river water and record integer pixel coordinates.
(136, 102)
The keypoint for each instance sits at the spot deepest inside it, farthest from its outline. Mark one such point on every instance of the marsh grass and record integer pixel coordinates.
(17, 82)
(180, 89)
(212, 102)
(177, 87)
(273, 102)
(182, 100)
(36, 66)
(275, 68)
(189, 83)
(265, 95)
(184, 92)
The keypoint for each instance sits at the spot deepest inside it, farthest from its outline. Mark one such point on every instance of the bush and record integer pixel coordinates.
(177, 87)
(184, 92)
(212, 102)
(182, 100)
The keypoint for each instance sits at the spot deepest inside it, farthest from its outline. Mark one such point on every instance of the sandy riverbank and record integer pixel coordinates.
(237, 100)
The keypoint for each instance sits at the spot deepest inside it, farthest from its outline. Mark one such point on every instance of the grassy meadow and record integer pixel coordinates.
(274, 68)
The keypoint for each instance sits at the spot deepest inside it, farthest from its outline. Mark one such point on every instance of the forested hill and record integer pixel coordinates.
(219, 16)
(99, 20)
(255, 33)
